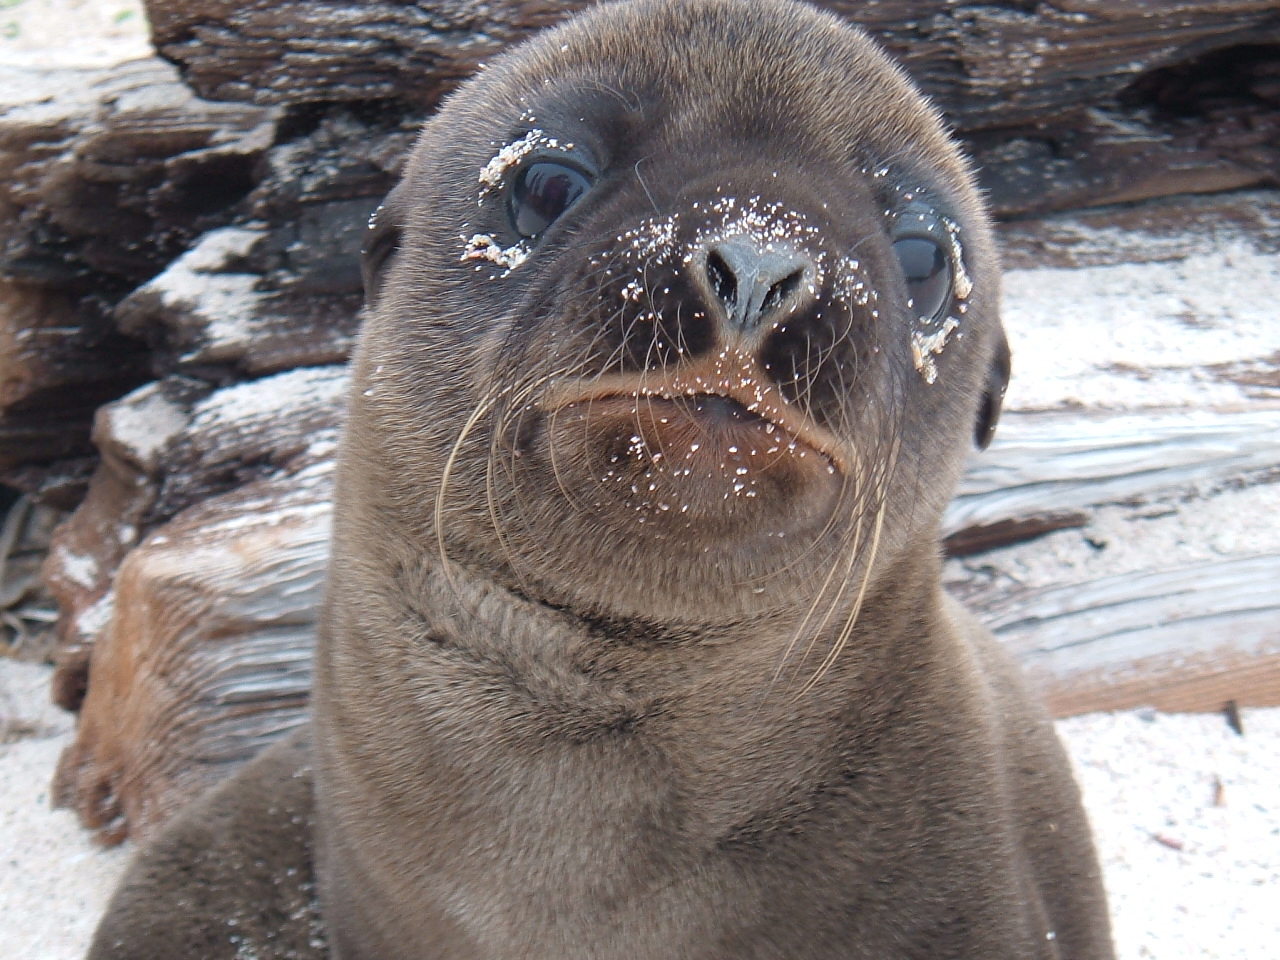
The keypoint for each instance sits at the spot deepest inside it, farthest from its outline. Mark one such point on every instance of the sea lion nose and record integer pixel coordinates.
(753, 283)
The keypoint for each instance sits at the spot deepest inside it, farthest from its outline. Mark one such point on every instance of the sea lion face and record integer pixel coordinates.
(674, 331)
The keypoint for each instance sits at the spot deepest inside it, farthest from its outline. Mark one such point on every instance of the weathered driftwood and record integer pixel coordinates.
(988, 65)
(48, 344)
(1186, 638)
(1060, 463)
(26, 608)
(115, 170)
(87, 549)
(105, 175)
(188, 584)
(281, 288)
(1169, 229)
(165, 448)
(207, 657)
(1145, 403)
(1065, 105)
(278, 291)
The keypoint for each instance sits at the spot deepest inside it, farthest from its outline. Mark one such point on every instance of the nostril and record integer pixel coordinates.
(753, 280)
(724, 285)
(782, 291)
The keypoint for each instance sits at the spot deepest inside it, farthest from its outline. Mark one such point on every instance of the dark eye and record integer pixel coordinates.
(543, 192)
(928, 274)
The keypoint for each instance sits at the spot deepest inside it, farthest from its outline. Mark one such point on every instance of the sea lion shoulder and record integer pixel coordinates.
(231, 877)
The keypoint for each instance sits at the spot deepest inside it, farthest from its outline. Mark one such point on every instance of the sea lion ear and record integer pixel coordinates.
(993, 395)
(382, 240)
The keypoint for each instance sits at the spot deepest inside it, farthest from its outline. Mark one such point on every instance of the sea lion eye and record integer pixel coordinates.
(928, 274)
(542, 192)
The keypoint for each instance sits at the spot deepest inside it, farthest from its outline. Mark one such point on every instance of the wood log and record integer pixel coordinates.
(1171, 603)
(1146, 398)
(1067, 105)
(1047, 464)
(115, 171)
(208, 655)
(58, 363)
(1170, 229)
(1104, 155)
(1188, 638)
(165, 448)
(198, 639)
(27, 611)
(987, 65)
(282, 288)
(87, 549)
(105, 175)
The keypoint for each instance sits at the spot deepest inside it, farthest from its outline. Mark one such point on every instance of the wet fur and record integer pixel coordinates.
(542, 730)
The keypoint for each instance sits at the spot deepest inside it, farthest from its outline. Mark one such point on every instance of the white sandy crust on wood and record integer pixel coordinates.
(1141, 336)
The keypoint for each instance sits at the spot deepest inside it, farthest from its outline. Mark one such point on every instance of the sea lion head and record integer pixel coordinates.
(679, 311)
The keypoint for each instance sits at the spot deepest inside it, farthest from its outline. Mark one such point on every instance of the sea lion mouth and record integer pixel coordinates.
(723, 394)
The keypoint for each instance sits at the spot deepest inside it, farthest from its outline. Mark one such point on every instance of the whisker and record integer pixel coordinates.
(838, 647)
(645, 187)
(508, 424)
(482, 408)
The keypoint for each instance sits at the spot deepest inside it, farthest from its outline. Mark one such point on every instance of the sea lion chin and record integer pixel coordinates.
(680, 325)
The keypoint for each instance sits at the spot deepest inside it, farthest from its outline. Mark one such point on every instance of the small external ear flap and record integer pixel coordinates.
(993, 396)
(382, 239)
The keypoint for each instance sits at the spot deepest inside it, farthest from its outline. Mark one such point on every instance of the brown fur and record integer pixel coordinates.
(546, 729)
(231, 879)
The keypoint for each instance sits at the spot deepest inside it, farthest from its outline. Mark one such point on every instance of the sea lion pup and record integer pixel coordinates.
(680, 324)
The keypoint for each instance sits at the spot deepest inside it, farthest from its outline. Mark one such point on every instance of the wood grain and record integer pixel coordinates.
(207, 657)
(1189, 638)
(1049, 462)
(1064, 105)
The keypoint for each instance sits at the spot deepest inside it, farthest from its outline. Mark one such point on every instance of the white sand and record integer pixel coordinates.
(54, 882)
(71, 33)
(1151, 784)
